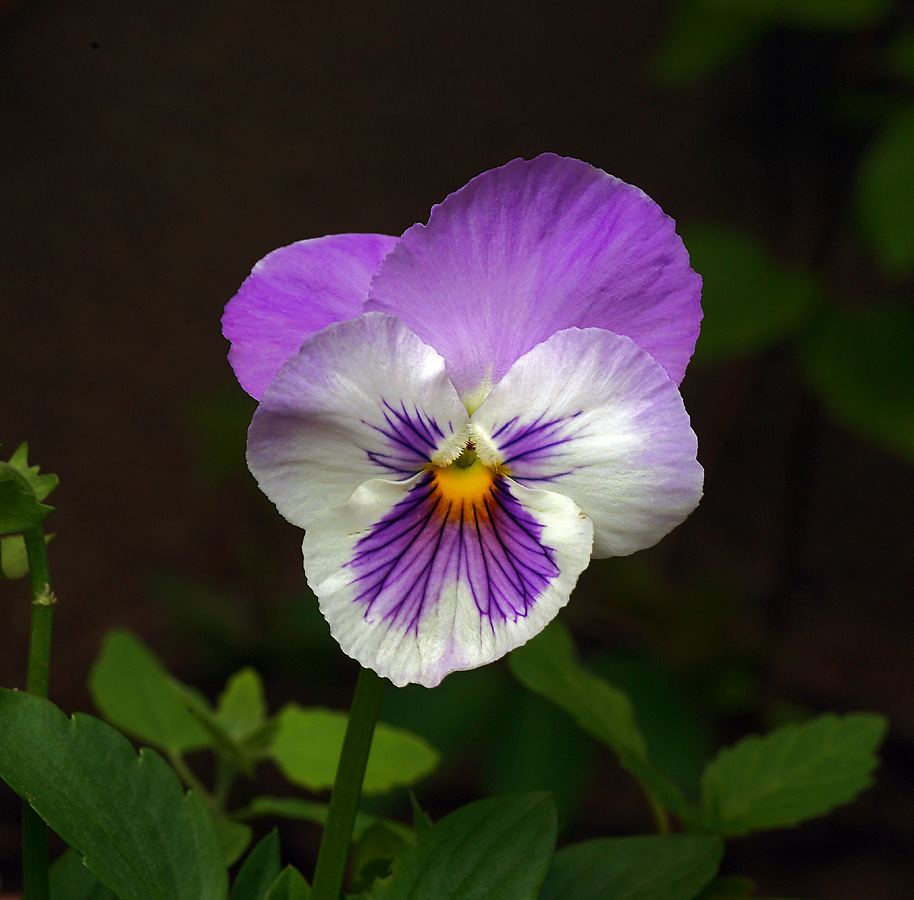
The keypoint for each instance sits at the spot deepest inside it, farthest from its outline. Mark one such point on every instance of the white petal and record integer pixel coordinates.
(590, 415)
(415, 586)
(362, 399)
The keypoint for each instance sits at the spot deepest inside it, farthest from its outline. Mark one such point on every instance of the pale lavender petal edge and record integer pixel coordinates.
(295, 292)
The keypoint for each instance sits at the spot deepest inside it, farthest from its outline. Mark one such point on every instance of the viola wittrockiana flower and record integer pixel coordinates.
(462, 417)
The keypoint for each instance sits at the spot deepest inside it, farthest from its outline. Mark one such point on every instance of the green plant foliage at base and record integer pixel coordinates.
(497, 849)
(652, 867)
(134, 692)
(125, 813)
(795, 773)
(308, 742)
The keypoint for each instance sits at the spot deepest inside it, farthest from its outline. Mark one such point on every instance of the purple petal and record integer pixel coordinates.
(416, 585)
(531, 248)
(294, 292)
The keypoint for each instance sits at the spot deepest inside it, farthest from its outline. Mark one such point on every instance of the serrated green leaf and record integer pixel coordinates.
(496, 849)
(69, 879)
(135, 692)
(234, 838)
(795, 773)
(309, 811)
(307, 746)
(259, 871)
(885, 196)
(40, 485)
(290, 885)
(651, 867)
(859, 364)
(109, 803)
(242, 707)
(547, 665)
(750, 300)
(19, 508)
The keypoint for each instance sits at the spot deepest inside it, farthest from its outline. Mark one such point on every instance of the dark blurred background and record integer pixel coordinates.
(152, 152)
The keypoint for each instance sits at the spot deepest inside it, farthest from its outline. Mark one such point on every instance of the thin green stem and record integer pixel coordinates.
(34, 831)
(190, 780)
(344, 802)
(225, 778)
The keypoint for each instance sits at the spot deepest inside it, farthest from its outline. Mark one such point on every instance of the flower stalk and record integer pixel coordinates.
(347, 788)
(34, 831)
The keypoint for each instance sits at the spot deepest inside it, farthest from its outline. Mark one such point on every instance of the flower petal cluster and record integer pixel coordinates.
(463, 417)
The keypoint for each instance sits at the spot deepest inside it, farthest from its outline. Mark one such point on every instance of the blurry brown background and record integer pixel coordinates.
(151, 152)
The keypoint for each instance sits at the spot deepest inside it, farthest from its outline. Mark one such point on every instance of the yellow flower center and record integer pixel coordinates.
(467, 480)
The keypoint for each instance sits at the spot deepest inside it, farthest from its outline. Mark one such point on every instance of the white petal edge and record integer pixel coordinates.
(621, 447)
(322, 426)
(453, 636)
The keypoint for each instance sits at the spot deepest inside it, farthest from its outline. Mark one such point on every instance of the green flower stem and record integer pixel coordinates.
(34, 831)
(43, 601)
(344, 802)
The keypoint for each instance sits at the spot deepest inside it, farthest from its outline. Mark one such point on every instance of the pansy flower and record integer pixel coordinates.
(462, 417)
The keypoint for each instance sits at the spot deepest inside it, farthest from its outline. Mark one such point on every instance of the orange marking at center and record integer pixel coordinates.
(464, 485)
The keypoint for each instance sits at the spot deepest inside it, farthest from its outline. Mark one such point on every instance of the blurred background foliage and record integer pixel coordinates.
(150, 156)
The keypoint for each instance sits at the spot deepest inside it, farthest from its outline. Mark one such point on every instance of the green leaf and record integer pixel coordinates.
(19, 510)
(260, 870)
(652, 867)
(794, 773)
(750, 300)
(69, 879)
(900, 56)
(21, 490)
(109, 803)
(496, 849)
(309, 811)
(885, 196)
(563, 762)
(859, 363)
(373, 853)
(699, 40)
(242, 708)
(234, 838)
(729, 888)
(290, 885)
(134, 692)
(14, 559)
(678, 741)
(704, 35)
(547, 665)
(308, 742)
(422, 821)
